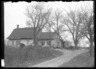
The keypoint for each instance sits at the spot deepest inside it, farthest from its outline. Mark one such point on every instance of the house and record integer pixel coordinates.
(25, 36)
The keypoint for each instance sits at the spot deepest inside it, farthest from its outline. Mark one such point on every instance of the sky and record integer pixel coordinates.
(14, 12)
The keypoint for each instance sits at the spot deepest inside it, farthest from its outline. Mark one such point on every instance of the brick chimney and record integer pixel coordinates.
(17, 26)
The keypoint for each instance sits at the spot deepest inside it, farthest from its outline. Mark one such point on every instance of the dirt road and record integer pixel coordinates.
(56, 62)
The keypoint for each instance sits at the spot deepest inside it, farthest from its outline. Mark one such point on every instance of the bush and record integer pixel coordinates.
(22, 45)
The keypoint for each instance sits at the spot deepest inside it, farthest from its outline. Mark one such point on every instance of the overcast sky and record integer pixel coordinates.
(14, 12)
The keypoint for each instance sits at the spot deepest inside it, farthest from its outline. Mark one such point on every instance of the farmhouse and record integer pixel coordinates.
(25, 36)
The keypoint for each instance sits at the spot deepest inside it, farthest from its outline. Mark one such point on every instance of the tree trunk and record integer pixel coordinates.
(91, 48)
(35, 37)
(75, 42)
(62, 43)
(35, 41)
(49, 37)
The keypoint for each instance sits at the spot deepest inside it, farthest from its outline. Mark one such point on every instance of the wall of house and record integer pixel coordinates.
(9, 43)
(17, 42)
(56, 43)
(27, 42)
(23, 41)
(43, 43)
(53, 43)
(14, 42)
(30, 42)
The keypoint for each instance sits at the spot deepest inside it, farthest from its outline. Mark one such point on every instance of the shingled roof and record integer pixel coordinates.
(46, 35)
(27, 33)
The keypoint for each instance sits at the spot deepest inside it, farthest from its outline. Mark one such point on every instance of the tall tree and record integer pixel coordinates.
(87, 19)
(88, 27)
(56, 25)
(81, 24)
(73, 23)
(38, 18)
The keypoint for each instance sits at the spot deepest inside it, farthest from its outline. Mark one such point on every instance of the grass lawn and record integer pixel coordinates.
(82, 60)
(16, 57)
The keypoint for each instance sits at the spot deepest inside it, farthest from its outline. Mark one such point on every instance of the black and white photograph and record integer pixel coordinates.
(49, 34)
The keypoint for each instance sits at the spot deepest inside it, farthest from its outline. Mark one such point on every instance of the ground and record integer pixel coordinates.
(56, 62)
(18, 57)
(82, 60)
(47, 57)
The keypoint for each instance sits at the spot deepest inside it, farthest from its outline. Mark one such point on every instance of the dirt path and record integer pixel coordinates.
(56, 62)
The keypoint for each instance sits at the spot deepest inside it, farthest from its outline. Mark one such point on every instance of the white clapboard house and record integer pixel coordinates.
(25, 36)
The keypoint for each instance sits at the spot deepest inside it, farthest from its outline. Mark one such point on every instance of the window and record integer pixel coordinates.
(17, 42)
(43, 42)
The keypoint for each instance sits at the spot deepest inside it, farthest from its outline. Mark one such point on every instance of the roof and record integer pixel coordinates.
(27, 33)
(46, 35)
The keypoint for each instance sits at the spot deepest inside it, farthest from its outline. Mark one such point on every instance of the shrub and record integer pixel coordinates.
(22, 45)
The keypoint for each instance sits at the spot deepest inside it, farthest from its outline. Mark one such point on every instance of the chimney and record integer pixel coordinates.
(17, 26)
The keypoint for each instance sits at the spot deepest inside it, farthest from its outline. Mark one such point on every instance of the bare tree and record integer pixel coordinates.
(88, 27)
(87, 23)
(38, 18)
(81, 24)
(73, 22)
(56, 25)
